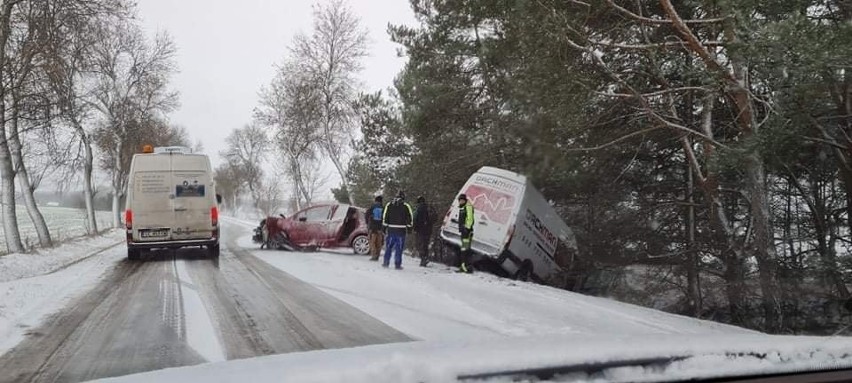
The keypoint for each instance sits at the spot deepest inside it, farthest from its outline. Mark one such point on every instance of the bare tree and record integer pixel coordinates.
(30, 31)
(246, 151)
(131, 95)
(331, 57)
(271, 197)
(315, 179)
(73, 86)
(288, 105)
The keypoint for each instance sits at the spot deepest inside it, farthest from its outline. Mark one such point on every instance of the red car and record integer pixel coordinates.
(321, 226)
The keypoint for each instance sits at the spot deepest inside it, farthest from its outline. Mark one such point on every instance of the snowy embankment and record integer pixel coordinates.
(33, 286)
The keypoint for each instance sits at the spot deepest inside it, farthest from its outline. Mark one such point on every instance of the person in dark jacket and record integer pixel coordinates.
(422, 229)
(397, 219)
(374, 224)
(466, 216)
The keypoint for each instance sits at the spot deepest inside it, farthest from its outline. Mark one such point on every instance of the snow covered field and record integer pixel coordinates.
(63, 222)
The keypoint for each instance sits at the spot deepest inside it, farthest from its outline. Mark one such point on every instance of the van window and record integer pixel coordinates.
(189, 190)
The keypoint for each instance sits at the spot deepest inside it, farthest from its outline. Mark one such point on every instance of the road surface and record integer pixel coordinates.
(180, 308)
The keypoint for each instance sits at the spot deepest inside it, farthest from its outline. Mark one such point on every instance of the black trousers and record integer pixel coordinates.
(423, 247)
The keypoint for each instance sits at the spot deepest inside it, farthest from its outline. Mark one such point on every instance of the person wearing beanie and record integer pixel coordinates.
(397, 220)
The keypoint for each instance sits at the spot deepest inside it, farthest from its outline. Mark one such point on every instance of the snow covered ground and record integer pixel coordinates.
(476, 325)
(63, 222)
(435, 303)
(33, 286)
(43, 261)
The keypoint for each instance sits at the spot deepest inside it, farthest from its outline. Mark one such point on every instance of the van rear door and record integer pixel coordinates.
(193, 197)
(153, 213)
(495, 201)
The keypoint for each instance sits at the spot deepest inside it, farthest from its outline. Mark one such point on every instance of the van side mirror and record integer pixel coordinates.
(219, 198)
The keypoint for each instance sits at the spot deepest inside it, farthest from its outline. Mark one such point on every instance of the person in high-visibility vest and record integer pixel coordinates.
(466, 216)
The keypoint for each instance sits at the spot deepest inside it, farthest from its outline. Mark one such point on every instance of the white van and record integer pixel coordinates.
(171, 202)
(516, 231)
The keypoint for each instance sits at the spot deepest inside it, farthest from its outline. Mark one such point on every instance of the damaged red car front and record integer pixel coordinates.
(320, 226)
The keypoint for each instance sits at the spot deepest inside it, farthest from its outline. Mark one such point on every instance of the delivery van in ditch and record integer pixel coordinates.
(516, 232)
(171, 202)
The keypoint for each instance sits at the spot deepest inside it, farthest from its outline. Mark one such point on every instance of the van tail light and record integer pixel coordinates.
(214, 215)
(128, 219)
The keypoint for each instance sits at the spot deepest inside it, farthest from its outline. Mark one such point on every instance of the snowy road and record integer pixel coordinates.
(181, 308)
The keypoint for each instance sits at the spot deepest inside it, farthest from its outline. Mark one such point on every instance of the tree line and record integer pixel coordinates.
(700, 149)
(82, 88)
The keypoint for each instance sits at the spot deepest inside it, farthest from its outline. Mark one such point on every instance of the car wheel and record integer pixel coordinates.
(361, 245)
(133, 254)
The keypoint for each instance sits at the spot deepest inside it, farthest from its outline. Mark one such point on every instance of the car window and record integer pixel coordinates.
(340, 213)
(319, 213)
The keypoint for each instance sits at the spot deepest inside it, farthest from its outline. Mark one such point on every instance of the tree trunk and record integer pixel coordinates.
(88, 190)
(735, 288)
(343, 177)
(298, 180)
(116, 186)
(23, 177)
(693, 291)
(7, 174)
(722, 229)
(764, 241)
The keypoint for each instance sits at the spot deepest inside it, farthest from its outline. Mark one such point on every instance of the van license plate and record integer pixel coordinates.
(154, 233)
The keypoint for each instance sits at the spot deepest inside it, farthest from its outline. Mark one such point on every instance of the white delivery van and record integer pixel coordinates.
(171, 202)
(516, 231)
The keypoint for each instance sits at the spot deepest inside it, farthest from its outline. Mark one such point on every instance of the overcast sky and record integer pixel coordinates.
(227, 49)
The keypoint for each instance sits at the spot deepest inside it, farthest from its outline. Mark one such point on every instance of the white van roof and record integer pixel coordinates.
(159, 161)
(519, 178)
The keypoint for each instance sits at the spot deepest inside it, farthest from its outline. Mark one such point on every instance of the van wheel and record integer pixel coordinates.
(492, 267)
(525, 272)
(133, 254)
(213, 251)
(361, 245)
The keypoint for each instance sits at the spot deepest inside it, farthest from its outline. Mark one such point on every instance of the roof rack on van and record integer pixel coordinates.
(173, 149)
